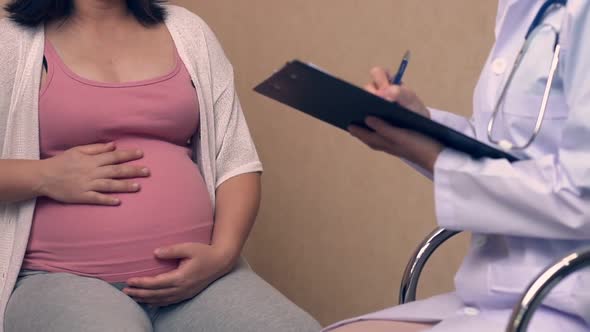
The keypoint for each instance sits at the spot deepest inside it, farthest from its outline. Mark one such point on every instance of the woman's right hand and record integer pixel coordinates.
(86, 174)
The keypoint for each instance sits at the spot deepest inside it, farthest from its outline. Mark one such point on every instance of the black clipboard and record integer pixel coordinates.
(337, 102)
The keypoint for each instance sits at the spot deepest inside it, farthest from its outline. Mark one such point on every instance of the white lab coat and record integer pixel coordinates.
(524, 215)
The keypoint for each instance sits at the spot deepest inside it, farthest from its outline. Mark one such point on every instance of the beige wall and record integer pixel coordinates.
(338, 222)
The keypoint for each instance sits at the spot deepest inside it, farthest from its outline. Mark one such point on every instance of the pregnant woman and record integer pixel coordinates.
(128, 178)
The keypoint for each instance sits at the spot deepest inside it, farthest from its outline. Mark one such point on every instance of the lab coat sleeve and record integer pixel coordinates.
(448, 119)
(548, 197)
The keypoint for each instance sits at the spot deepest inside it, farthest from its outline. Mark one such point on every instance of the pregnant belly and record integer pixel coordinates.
(115, 243)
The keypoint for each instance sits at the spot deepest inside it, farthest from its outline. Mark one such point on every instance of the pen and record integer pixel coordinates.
(397, 79)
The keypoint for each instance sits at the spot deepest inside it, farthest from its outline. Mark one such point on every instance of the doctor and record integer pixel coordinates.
(523, 215)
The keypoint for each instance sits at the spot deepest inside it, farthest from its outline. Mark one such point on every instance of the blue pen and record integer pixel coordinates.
(397, 79)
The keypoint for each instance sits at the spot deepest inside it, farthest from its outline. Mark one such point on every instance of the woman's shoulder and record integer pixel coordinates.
(187, 21)
(9, 31)
(195, 33)
(14, 36)
(185, 18)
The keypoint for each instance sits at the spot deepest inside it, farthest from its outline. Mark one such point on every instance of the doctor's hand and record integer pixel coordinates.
(199, 266)
(399, 142)
(381, 87)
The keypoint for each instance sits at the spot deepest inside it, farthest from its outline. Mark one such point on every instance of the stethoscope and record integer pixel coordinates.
(537, 22)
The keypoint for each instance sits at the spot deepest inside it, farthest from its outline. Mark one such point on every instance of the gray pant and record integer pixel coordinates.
(61, 302)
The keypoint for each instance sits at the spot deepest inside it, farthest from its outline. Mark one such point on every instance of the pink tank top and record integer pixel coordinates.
(115, 243)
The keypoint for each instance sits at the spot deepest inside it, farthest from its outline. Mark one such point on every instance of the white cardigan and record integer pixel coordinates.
(224, 150)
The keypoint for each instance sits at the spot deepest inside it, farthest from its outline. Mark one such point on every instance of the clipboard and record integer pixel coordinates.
(315, 92)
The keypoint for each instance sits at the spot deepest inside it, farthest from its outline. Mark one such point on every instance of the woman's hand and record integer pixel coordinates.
(84, 174)
(199, 266)
(402, 143)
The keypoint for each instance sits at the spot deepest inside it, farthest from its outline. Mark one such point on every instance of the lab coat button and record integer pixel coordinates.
(469, 311)
(499, 66)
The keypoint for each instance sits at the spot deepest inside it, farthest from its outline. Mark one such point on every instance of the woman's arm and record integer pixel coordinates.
(19, 180)
(237, 205)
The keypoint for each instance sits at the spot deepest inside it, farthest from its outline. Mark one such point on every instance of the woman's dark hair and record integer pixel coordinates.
(31, 13)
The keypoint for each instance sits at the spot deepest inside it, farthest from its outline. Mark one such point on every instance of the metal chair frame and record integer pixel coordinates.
(529, 301)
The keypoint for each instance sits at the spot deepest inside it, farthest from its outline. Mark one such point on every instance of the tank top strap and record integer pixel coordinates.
(50, 65)
(56, 61)
(50, 52)
(52, 60)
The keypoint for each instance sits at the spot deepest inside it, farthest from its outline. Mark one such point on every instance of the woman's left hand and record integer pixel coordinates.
(402, 143)
(199, 266)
